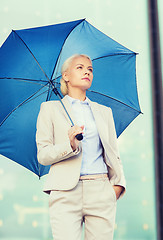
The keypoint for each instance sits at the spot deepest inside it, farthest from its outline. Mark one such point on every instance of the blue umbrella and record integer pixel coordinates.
(30, 64)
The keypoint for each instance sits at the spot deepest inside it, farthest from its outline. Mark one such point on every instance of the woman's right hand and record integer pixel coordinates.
(72, 132)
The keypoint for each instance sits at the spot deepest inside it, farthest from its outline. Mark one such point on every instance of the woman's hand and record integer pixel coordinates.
(72, 132)
(118, 190)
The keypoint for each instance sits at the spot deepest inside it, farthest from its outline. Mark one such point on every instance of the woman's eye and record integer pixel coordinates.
(80, 67)
(90, 69)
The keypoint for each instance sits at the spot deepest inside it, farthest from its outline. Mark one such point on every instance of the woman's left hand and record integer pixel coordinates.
(118, 190)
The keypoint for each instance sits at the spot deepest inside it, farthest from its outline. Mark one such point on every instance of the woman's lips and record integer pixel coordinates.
(87, 79)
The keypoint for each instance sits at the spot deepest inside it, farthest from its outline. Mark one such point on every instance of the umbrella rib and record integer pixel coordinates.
(23, 79)
(32, 55)
(111, 55)
(35, 97)
(62, 47)
(115, 54)
(50, 95)
(115, 100)
(27, 80)
(21, 105)
(54, 79)
(47, 98)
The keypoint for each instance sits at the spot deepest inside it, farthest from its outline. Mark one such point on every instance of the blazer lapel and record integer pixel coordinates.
(103, 130)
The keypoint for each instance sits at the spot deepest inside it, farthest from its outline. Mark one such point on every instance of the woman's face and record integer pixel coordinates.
(79, 74)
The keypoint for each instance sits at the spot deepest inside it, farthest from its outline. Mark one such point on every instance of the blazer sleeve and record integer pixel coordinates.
(48, 152)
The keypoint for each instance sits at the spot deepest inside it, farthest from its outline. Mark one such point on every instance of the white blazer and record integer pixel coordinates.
(53, 145)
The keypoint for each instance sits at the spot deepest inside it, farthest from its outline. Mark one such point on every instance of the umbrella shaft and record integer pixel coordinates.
(60, 98)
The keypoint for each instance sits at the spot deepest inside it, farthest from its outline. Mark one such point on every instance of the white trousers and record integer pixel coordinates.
(91, 201)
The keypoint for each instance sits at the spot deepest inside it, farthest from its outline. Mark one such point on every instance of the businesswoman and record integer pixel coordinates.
(86, 178)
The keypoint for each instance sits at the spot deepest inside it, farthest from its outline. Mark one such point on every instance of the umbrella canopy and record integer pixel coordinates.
(30, 64)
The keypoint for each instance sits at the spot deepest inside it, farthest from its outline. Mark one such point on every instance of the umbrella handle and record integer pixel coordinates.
(79, 137)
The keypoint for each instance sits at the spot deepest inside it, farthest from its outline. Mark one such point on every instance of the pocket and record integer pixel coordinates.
(113, 191)
(52, 196)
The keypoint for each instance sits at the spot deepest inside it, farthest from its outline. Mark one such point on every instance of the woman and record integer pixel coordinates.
(86, 178)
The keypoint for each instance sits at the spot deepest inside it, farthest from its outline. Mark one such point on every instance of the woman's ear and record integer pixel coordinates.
(65, 76)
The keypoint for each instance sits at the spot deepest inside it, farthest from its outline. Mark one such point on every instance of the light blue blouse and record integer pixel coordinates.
(92, 157)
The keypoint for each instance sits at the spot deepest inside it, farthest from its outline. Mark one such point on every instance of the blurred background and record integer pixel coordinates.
(23, 205)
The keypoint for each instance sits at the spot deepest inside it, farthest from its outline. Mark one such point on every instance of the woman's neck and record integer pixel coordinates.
(81, 95)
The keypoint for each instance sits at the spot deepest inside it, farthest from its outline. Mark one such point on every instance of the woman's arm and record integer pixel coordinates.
(47, 152)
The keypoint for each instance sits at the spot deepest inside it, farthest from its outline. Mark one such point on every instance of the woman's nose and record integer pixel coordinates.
(87, 72)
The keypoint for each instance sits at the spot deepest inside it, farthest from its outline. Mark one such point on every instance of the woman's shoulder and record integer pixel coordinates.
(50, 103)
(49, 106)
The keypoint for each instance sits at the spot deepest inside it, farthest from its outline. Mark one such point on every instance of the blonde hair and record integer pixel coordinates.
(65, 66)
